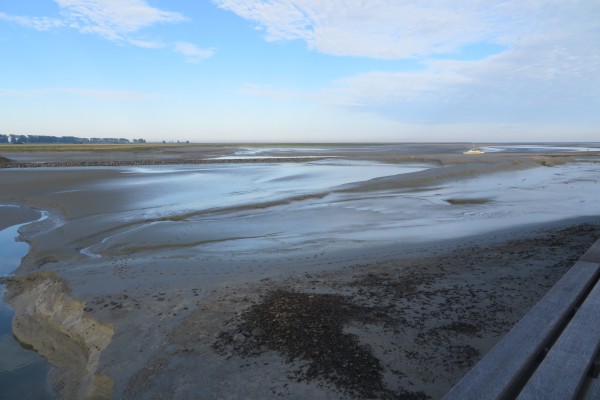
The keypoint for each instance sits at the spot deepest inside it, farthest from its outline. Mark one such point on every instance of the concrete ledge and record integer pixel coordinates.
(593, 254)
(508, 366)
(565, 369)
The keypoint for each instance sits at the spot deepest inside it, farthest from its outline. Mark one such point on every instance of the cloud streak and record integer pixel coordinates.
(192, 53)
(99, 94)
(117, 21)
(114, 20)
(385, 29)
(548, 69)
(37, 23)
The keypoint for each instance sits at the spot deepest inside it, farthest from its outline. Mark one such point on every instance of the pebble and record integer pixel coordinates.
(239, 337)
(257, 332)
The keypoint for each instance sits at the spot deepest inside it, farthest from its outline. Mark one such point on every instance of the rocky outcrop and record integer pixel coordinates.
(48, 319)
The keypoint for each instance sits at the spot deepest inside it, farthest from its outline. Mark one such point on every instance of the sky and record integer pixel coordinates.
(302, 70)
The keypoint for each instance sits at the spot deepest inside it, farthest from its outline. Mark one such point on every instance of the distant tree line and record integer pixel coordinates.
(23, 139)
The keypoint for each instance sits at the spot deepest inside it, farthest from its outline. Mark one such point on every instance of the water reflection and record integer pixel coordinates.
(540, 148)
(22, 372)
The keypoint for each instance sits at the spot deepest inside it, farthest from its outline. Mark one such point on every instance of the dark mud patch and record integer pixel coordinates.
(460, 202)
(309, 328)
(391, 285)
(5, 162)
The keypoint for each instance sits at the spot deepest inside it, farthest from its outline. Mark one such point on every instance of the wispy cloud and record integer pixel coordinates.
(118, 21)
(147, 44)
(37, 23)
(253, 89)
(501, 88)
(112, 94)
(114, 20)
(100, 94)
(192, 53)
(386, 29)
(547, 70)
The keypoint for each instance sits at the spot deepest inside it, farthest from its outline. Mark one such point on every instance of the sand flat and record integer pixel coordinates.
(173, 257)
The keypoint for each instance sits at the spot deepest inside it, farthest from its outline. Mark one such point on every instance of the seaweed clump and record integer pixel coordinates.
(309, 328)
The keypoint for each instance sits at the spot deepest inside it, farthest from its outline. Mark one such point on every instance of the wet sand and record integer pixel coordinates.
(173, 314)
(15, 215)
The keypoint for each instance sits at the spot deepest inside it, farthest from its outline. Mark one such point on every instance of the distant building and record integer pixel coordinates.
(41, 139)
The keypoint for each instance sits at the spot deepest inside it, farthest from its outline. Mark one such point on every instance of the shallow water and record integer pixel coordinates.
(219, 186)
(208, 194)
(247, 209)
(22, 372)
(493, 202)
(540, 148)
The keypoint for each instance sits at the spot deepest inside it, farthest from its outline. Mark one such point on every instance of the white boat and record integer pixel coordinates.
(473, 150)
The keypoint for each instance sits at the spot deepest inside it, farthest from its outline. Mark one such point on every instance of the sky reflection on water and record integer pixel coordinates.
(22, 372)
(256, 209)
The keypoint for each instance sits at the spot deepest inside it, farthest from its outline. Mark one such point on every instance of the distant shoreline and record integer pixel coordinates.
(8, 163)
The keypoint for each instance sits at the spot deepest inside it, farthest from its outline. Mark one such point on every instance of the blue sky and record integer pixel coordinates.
(302, 70)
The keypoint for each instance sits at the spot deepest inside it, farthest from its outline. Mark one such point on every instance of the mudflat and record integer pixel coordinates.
(349, 272)
(15, 215)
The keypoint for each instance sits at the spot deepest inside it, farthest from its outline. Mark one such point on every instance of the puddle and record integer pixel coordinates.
(22, 372)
